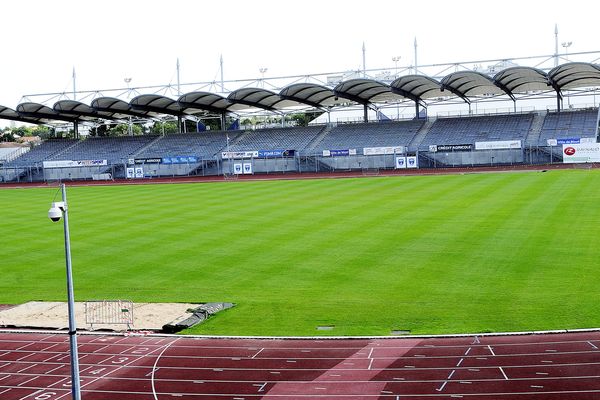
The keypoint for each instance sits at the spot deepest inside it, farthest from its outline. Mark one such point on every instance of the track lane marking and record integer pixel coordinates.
(155, 369)
(254, 356)
(503, 374)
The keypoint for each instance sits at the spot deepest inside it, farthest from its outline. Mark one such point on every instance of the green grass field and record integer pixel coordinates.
(428, 254)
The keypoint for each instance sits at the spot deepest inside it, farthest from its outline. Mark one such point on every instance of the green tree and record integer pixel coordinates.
(160, 128)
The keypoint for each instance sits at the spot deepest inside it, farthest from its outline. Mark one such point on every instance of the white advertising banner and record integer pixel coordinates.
(130, 172)
(73, 164)
(498, 145)
(139, 172)
(581, 153)
(239, 154)
(238, 168)
(377, 151)
(247, 168)
(400, 162)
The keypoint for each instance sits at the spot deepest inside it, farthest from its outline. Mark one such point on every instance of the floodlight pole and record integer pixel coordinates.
(75, 383)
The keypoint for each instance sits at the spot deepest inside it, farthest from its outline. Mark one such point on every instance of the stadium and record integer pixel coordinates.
(455, 259)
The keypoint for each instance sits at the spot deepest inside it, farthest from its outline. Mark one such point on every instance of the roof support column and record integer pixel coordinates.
(179, 124)
(416, 110)
(366, 114)
(558, 101)
(75, 130)
(223, 127)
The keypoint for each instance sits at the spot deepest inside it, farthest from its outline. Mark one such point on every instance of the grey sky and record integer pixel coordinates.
(109, 40)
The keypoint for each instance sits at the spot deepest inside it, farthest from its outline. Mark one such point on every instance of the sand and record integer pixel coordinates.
(54, 315)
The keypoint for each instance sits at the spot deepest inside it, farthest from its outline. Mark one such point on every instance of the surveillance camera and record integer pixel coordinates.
(55, 212)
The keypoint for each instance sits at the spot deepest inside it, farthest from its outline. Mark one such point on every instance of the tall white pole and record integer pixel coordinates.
(75, 382)
(178, 84)
(222, 85)
(364, 60)
(556, 45)
(74, 88)
(416, 63)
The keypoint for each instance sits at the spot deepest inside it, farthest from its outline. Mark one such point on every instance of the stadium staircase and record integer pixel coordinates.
(420, 135)
(318, 139)
(144, 148)
(533, 136)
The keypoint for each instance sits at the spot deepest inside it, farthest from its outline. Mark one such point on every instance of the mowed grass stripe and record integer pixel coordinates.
(431, 254)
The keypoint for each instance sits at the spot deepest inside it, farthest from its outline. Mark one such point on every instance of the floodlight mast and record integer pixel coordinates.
(54, 216)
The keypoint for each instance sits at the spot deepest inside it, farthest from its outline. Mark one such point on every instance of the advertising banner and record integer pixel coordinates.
(74, 164)
(239, 154)
(454, 147)
(581, 153)
(411, 162)
(377, 151)
(247, 168)
(139, 172)
(574, 140)
(498, 145)
(400, 162)
(130, 172)
(237, 168)
(180, 160)
(147, 160)
(275, 153)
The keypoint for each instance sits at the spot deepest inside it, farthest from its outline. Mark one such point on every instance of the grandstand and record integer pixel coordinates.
(569, 124)
(46, 151)
(503, 136)
(468, 130)
(276, 139)
(201, 152)
(361, 135)
(204, 145)
(113, 149)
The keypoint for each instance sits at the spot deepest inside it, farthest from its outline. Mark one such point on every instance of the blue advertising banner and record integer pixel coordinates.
(568, 141)
(339, 153)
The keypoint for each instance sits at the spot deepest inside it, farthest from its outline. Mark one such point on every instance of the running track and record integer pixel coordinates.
(35, 366)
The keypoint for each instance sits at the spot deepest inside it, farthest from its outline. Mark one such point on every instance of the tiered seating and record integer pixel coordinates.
(204, 144)
(468, 130)
(43, 152)
(569, 124)
(276, 139)
(357, 136)
(113, 149)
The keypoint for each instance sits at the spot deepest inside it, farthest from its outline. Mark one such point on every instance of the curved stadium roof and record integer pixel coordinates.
(418, 88)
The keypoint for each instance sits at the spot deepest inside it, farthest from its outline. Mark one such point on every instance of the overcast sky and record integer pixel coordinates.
(106, 41)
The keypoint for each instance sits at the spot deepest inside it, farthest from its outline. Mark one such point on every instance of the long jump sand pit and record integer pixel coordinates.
(54, 315)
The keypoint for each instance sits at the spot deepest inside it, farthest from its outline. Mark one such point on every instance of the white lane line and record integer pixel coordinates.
(446, 381)
(476, 340)
(491, 351)
(468, 351)
(262, 387)
(370, 352)
(371, 364)
(593, 345)
(442, 387)
(460, 362)
(254, 356)
(155, 364)
(503, 374)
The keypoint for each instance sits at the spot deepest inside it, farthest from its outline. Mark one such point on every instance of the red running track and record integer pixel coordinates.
(35, 366)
